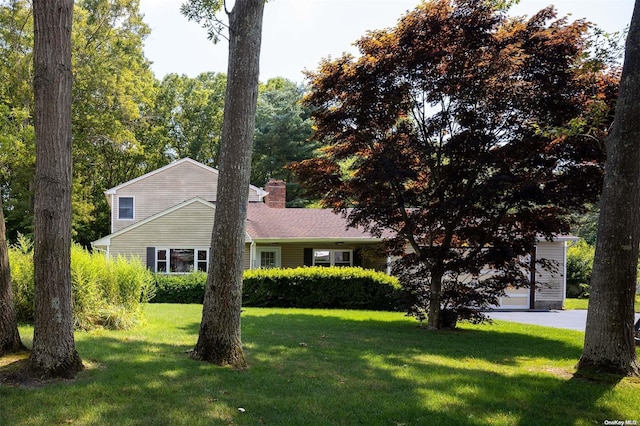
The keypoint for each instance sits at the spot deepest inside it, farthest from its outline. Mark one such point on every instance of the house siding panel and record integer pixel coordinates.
(247, 257)
(187, 227)
(174, 185)
(550, 285)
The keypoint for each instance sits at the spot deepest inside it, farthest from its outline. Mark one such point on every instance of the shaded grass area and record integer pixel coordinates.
(315, 367)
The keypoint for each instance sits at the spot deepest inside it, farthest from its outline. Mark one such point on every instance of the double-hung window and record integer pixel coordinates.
(328, 257)
(181, 260)
(268, 257)
(125, 208)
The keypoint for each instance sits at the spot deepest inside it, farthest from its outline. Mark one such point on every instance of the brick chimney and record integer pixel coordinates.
(277, 197)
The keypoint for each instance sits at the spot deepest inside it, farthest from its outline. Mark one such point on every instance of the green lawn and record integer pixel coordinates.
(584, 303)
(313, 367)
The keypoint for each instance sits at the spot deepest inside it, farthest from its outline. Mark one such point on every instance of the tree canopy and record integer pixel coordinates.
(283, 130)
(191, 113)
(113, 95)
(126, 122)
(468, 134)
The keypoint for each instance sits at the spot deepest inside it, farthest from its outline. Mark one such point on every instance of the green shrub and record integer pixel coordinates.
(85, 283)
(319, 287)
(106, 293)
(21, 264)
(579, 266)
(187, 288)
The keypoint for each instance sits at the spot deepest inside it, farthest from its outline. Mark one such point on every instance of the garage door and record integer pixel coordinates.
(517, 298)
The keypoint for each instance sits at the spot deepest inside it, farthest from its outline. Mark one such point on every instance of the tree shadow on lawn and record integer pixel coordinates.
(308, 369)
(485, 372)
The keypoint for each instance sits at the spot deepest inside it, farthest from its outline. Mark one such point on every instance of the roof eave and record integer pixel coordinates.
(270, 240)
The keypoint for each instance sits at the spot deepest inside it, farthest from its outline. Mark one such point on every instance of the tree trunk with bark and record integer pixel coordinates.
(609, 343)
(9, 337)
(54, 353)
(435, 298)
(219, 340)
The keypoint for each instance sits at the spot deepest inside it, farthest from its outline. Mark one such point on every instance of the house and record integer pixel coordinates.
(165, 218)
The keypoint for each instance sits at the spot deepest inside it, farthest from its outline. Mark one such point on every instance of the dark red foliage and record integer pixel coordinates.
(467, 133)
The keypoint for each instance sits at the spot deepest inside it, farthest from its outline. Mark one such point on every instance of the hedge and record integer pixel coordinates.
(187, 288)
(308, 287)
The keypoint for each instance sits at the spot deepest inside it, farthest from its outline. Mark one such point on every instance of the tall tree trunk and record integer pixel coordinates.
(435, 299)
(219, 339)
(9, 337)
(609, 344)
(54, 353)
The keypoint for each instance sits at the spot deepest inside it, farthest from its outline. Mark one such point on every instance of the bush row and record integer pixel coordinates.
(187, 288)
(309, 287)
(105, 293)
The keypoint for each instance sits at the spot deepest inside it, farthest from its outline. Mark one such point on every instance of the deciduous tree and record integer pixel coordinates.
(54, 353)
(113, 97)
(17, 152)
(219, 339)
(115, 127)
(609, 342)
(462, 131)
(191, 110)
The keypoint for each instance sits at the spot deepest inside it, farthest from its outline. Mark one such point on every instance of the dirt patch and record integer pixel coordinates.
(563, 373)
(13, 367)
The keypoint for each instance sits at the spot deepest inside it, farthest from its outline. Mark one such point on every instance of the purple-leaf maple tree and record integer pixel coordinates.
(470, 135)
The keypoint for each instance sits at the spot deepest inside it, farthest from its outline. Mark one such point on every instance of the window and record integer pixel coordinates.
(181, 260)
(332, 257)
(125, 208)
(268, 257)
(203, 260)
(342, 258)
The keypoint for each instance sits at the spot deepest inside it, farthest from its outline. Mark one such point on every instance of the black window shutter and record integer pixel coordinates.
(357, 257)
(308, 257)
(151, 258)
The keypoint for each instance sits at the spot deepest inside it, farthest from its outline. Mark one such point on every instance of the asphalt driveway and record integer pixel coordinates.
(570, 319)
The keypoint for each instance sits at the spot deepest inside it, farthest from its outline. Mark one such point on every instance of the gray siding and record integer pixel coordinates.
(187, 227)
(550, 285)
(159, 191)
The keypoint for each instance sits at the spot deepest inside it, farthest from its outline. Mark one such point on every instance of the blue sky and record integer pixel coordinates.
(297, 34)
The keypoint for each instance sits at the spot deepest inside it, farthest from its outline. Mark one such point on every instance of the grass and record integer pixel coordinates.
(570, 303)
(584, 303)
(315, 367)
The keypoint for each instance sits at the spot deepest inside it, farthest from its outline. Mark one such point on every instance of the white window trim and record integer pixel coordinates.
(133, 207)
(276, 250)
(332, 255)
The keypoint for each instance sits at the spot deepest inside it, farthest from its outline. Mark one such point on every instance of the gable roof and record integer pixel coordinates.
(261, 192)
(264, 222)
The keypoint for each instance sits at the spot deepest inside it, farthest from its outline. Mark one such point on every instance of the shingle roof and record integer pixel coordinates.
(264, 222)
